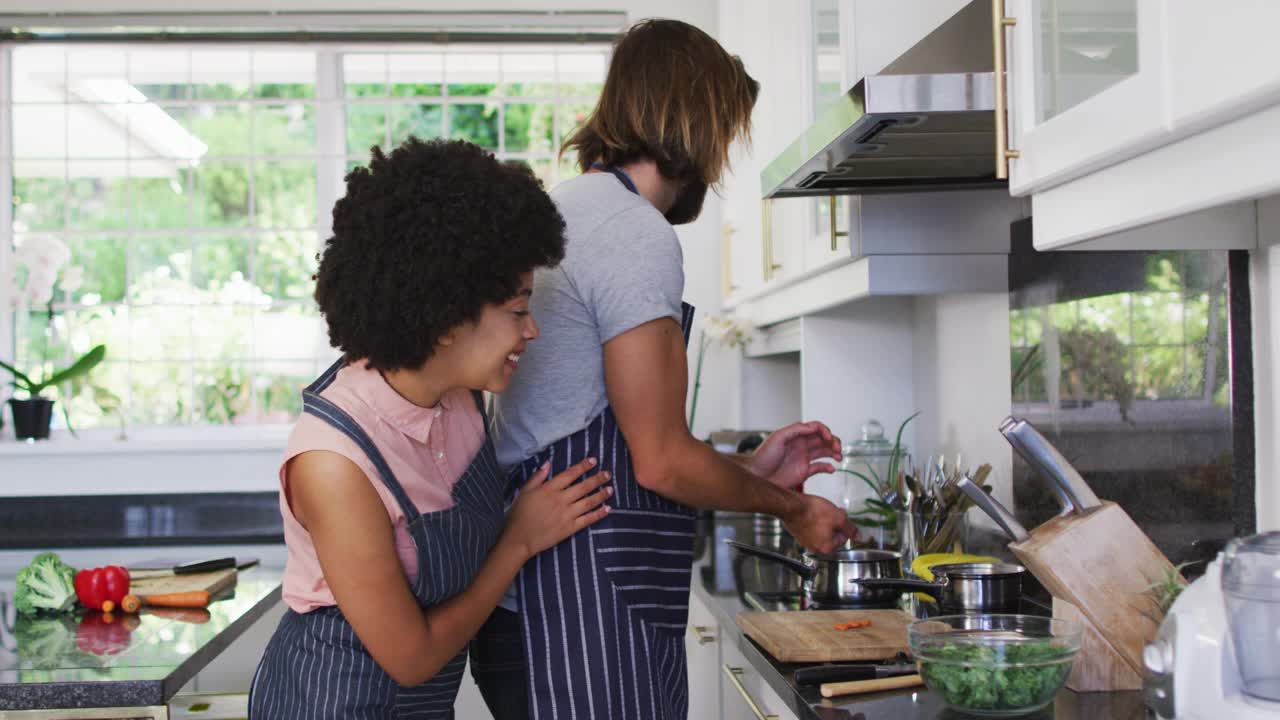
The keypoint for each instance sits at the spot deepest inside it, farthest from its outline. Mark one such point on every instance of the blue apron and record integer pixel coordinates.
(604, 612)
(315, 666)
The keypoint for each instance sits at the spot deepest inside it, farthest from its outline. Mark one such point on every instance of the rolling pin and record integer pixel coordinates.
(869, 686)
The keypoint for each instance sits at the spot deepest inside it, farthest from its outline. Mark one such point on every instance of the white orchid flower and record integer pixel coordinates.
(72, 278)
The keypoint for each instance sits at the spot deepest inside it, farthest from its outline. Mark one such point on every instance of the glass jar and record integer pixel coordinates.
(1251, 588)
(865, 471)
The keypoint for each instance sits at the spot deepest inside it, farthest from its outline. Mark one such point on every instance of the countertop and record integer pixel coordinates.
(914, 704)
(79, 660)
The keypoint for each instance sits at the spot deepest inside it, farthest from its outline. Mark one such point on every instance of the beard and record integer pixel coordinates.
(688, 204)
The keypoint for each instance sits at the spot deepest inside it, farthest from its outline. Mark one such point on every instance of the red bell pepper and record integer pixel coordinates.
(101, 585)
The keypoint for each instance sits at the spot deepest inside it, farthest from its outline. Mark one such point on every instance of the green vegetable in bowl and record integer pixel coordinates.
(980, 677)
(46, 584)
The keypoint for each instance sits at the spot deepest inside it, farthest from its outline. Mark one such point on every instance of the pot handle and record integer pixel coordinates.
(795, 565)
(932, 588)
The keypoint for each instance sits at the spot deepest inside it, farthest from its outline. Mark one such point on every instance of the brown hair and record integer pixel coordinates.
(672, 95)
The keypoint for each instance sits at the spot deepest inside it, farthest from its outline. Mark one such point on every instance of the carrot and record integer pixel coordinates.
(130, 603)
(191, 599)
(108, 606)
(853, 624)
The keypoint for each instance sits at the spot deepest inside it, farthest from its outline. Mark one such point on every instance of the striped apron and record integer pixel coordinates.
(315, 666)
(604, 612)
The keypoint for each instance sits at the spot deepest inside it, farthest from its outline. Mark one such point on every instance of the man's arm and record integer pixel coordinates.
(646, 375)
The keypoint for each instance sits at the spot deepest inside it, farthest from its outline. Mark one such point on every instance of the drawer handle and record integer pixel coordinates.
(1003, 152)
(735, 676)
(702, 634)
(831, 215)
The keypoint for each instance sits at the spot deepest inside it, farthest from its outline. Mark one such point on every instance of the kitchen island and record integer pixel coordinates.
(715, 589)
(125, 665)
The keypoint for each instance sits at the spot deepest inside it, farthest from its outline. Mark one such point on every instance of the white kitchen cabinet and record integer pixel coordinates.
(702, 645)
(1099, 89)
(744, 694)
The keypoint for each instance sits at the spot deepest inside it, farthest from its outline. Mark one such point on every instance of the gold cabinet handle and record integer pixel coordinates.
(831, 217)
(735, 676)
(702, 634)
(766, 231)
(1003, 152)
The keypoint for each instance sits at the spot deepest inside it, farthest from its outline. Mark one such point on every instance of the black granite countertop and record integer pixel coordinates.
(715, 584)
(84, 660)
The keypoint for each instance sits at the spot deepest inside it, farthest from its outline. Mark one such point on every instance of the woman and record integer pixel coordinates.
(391, 495)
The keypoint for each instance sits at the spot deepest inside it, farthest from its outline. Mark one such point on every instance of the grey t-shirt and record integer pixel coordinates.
(623, 267)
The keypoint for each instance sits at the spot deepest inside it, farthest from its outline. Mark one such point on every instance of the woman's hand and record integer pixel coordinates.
(548, 511)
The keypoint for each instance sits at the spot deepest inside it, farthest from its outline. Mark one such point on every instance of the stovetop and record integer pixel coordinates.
(772, 601)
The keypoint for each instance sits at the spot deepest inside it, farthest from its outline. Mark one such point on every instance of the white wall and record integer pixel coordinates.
(1265, 286)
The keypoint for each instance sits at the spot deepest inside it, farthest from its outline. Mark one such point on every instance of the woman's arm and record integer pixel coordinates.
(355, 543)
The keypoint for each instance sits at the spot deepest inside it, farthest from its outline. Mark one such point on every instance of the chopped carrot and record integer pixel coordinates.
(130, 603)
(853, 624)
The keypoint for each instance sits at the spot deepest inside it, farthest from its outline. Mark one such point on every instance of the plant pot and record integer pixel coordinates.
(31, 418)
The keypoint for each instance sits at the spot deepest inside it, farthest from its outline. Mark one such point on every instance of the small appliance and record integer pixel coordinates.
(1217, 653)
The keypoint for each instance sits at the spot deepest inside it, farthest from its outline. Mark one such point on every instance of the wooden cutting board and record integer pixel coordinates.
(811, 636)
(212, 582)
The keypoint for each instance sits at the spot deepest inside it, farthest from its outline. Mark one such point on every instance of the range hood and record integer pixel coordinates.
(924, 123)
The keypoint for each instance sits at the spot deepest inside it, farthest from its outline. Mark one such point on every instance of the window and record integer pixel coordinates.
(1124, 360)
(194, 185)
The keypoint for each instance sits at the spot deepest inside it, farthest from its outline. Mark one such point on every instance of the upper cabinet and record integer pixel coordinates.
(1138, 110)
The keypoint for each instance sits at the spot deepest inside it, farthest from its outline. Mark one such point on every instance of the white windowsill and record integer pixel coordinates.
(153, 440)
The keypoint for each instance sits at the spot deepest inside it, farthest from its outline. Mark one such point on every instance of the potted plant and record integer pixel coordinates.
(39, 261)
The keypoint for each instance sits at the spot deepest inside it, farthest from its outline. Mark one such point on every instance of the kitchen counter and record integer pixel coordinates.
(918, 703)
(80, 661)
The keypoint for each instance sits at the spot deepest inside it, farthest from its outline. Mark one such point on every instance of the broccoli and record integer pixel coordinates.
(44, 641)
(972, 676)
(46, 584)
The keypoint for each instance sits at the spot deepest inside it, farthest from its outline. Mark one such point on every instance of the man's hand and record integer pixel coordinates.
(786, 457)
(819, 526)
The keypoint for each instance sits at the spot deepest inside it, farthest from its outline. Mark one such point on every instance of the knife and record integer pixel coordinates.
(1073, 492)
(992, 507)
(843, 673)
(161, 568)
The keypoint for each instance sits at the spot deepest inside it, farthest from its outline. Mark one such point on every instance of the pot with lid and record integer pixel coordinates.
(828, 580)
(964, 587)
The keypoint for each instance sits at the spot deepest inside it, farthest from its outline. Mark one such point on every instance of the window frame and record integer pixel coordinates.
(331, 158)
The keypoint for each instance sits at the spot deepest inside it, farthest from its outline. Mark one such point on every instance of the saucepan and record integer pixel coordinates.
(981, 587)
(828, 579)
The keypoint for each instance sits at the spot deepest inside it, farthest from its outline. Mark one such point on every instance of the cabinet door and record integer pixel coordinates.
(1087, 83)
(1224, 60)
(702, 643)
(744, 694)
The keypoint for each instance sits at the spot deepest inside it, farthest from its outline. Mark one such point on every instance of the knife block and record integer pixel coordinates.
(1099, 566)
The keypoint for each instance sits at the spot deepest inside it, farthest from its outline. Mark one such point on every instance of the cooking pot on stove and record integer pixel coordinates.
(964, 587)
(828, 580)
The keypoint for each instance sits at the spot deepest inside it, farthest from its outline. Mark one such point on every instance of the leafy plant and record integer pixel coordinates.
(76, 370)
(1020, 676)
(1164, 591)
(879, 512)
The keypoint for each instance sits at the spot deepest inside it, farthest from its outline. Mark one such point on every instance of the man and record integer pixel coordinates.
(602, 615)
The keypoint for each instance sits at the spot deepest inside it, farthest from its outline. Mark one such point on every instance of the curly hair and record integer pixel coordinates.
(424, 239)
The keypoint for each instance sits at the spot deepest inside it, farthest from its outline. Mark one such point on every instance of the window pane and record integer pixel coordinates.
(285, 263)
(39, 73)
(223, 393)
(220, 74)
(220, 196)
(472, 74)
(39, 131)
(223, 128)
(160, 74)
(38, 203)
(572, 115)
(284, 129)
(160, 270)
(159, 203)
(105, 261)
(579, 72)
(284, 74)
(474, 123)
(160, 332)
(159, 393)
(366, 128)
(222, 332)
(364, 75)
(422, 121)
(220, 268)
(568, 166)
(529, 128)
(544, 169)
(288, 332)
(278, 387)
(1160, 372)
(1108, 313)
(99, 201)
(88, 66)
(285, 194)
(416, 75)
(1157, 318)
(529, 74)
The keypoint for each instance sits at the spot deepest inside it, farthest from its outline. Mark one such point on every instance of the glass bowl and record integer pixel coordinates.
(995, 665)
